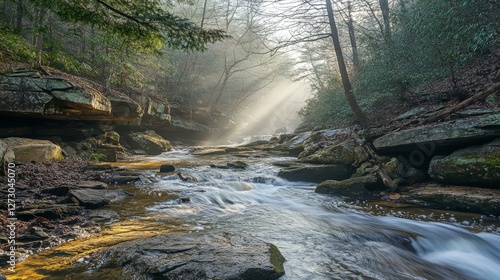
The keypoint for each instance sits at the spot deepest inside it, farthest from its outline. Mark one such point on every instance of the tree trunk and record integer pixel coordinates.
(478, 96)
(351, 99)
(352, 37)
(384, 7)
(20, 15)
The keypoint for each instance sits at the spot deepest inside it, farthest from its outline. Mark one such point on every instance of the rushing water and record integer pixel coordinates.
(322, 237)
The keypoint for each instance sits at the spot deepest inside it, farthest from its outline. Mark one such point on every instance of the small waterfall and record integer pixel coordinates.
(323, 237)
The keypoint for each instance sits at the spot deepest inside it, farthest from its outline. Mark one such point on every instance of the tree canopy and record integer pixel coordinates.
(144, 22)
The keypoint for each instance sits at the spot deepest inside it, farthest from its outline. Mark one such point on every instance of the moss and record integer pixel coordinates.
(276, 259)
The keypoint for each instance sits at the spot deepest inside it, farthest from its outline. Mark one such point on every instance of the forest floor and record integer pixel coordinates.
(446, 92)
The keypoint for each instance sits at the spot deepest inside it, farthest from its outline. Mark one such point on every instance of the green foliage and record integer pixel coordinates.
(144, 23)
(430, 39)
(15, 47)
(96, 157)
(330, 105)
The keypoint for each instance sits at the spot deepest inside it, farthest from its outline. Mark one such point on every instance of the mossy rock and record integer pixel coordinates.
(353, 187)
(474, 166)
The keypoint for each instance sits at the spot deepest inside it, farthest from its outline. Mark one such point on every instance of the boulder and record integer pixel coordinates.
(29, 150)
(149, 141)
(474, 166)
(428, 138)
(480, 200)
(214, 255)
(307, 143)
(164, 168)
(94, 198)
(348, 153)
(352, 187)
(318, 173)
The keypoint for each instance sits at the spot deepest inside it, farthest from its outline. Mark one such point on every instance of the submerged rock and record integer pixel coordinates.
(317, 174)
(474, 166)
(194, 256)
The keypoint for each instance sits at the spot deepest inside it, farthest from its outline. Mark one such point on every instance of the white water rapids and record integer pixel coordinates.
(323, 237)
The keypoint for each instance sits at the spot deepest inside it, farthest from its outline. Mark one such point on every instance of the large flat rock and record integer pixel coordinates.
(317, 173)
(470, 199)
(50, 97)
(213, 255)
(456, 133)
(94, 198)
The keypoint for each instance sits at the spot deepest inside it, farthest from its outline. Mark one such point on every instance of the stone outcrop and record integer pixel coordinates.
(474, 166)
(149, 141)
(457, 133)
(28, 150)
(31, 95)
(214, 255)
(317, 174)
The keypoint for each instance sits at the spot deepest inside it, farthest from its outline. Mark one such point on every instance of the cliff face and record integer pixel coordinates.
(36, 105)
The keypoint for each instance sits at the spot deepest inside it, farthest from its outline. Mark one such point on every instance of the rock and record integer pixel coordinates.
(92, 198)
(479, 200)
(427, 139)
(149, 141)
(186, 178)
(194, 256)
(238, 186)
(474, 112)
(474, 166)
(52, 97)
(28, 150)
(394, 168)
(167, 168)
(91, 185)
(413, 175)
(418, 111)
(317, 174)
(310, 142)
(237, 165)
(348, 153)
(54, 211)
(352, 187)
(102, 216)
(112, 137)
(206, 152)
(63, 190)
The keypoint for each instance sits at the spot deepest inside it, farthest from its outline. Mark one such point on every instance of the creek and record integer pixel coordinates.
(321, 237)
